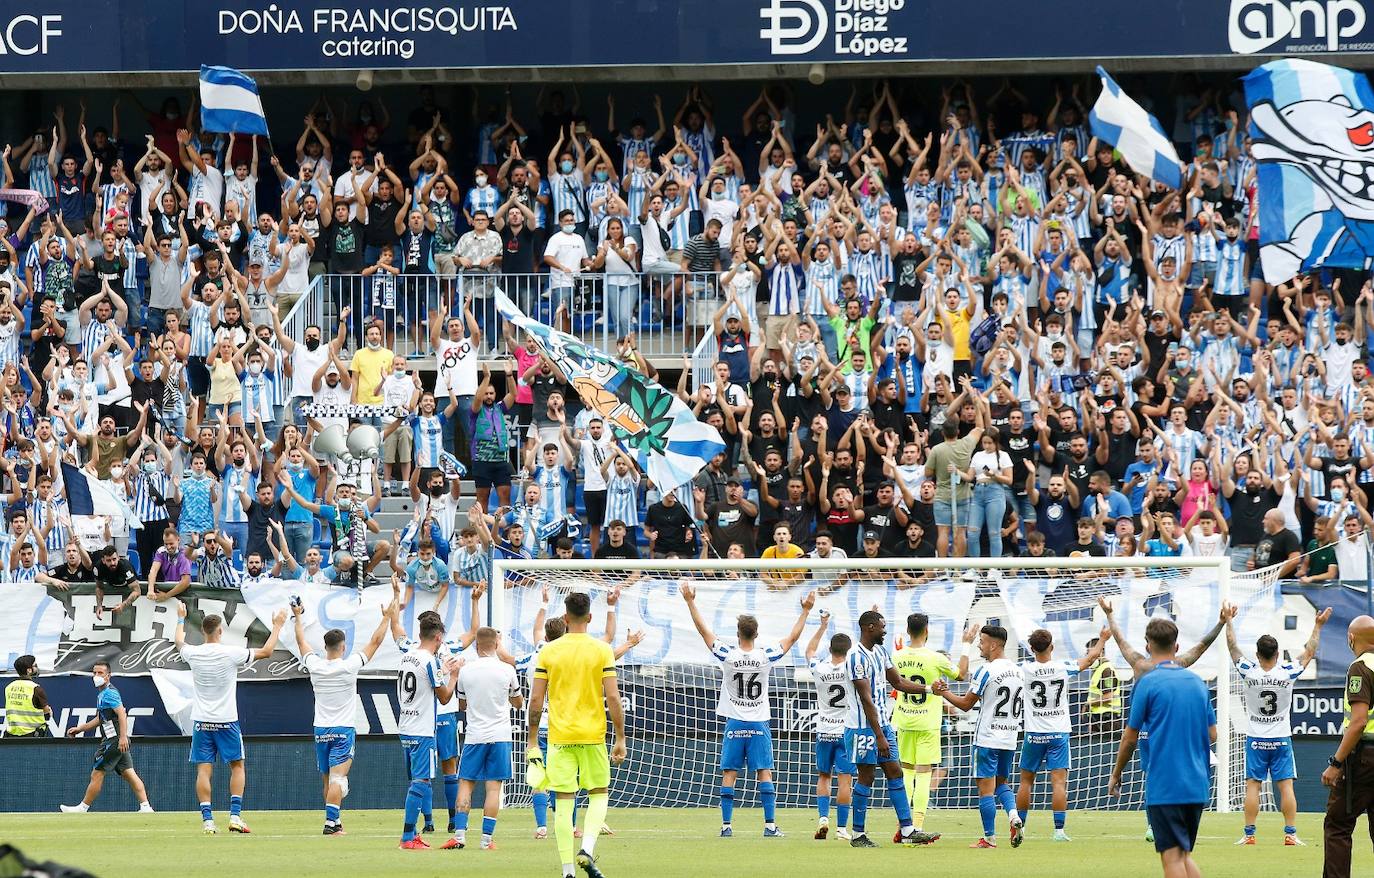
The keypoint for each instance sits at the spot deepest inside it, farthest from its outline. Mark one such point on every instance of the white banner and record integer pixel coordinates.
(651, 603)
(356, 613)
(30, 624)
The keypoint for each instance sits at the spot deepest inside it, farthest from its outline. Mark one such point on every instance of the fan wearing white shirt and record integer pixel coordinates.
(215, 735)
(334, 677)
(1207, 533)
(487, 689)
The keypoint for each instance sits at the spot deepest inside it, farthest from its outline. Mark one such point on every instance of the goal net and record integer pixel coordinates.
(670, 682)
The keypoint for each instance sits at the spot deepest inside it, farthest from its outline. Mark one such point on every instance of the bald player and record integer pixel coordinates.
(1350, 771)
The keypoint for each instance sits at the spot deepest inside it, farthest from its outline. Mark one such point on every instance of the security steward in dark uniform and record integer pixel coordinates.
(1350, 773)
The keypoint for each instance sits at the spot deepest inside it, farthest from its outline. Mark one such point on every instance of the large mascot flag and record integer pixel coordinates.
(656, 427)
(1312, 139)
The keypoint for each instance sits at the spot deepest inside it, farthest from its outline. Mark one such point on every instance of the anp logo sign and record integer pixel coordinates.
(1255, 25)
(794, 27)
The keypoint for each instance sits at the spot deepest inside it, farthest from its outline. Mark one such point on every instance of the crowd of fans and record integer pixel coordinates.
(955, 332)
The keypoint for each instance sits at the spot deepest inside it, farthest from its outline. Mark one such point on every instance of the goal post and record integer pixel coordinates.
(670, 681)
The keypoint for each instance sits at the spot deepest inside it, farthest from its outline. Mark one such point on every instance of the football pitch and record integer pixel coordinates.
(659, 843)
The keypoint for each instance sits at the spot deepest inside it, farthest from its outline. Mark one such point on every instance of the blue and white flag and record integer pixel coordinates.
(88, 495)
(1312, 139)
(1117, 119)
(229, 102)
(656, 427)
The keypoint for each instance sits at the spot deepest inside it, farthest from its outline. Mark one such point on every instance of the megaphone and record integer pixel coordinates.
(364, 441)
(331, 442)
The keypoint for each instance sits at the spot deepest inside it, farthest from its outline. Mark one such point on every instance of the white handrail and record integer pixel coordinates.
(679, 565)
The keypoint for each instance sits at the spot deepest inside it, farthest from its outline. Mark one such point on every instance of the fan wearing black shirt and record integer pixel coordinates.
(1086, 546)
(75, 568)
(1116, 445)
(885, 516)
(615, 545)
(670, 527)
(1339, 465)
(1075, 463)
(887, 405)
(114, 572)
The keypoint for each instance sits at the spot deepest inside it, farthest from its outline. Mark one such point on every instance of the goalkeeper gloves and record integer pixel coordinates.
(534, 768)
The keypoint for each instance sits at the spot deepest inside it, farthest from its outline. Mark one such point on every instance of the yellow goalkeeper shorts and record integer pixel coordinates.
(573, 767)
(918, 747)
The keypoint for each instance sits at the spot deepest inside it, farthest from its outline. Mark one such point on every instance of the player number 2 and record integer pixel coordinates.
(748, 687)
(836, 696)
(1270, 705)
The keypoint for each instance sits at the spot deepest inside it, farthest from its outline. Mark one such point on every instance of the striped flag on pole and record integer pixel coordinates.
(230, 103)
(1117, 119)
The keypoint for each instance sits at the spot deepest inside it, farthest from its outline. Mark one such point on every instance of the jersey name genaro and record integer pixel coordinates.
(744, 688)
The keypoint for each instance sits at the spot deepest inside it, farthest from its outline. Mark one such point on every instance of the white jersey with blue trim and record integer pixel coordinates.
(999, 686)
(1047, 695)
(832, 696)
(869, 665)
(450, 647)
(1269, 697)
(744, 688)
(418, 672)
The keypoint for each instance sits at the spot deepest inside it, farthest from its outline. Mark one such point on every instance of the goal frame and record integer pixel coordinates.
(1219, 565)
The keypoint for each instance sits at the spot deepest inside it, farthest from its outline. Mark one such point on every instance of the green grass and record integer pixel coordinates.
(655, 843)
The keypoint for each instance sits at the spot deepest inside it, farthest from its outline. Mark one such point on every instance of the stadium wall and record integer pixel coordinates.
(281, 774)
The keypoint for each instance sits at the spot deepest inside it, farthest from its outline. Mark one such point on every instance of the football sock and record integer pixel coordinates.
(331, 813)
(768, 793)
(842, 815)
(1007, 799)
(597, 806)
(235, 806)
(920, 798)
(823, 806)
(1059, 818)
(896, 793)
(413, 798)
(205, 812)
(488, 828)
(541, 809)
(727, 804)
(987, 809)
(861, 794)
(563, 832)
(451, 793)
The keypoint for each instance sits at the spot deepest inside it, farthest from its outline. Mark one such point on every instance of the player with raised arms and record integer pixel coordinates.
(1048, 726)
(998, 685)
(446, 714)
(1143, 664)
(869, 737)
(1268, 689)
(577, 673)
(334, 679)
(831, 676)
(917, 718)
(745, 705)
(487, 690)
(215, 735)
(422, 681)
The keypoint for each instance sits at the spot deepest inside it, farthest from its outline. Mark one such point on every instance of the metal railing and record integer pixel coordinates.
(669, 314)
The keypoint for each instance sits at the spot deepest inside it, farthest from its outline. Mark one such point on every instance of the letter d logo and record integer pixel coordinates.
(793, 27)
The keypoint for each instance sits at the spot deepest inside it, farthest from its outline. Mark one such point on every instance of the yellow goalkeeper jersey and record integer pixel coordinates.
(920, 664)
(575, 665)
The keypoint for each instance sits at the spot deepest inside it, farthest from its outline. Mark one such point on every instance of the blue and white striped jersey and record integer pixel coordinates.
(622, 498)
(554, 483)
(486, 198)
(569, 193)
(40, 176)
(869, 665)
(999, 686)
(428, 433)
(1230, 274)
